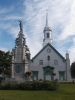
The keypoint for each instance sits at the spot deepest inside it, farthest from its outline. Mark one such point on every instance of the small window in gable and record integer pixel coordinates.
(48, 50)
(41, 62)
(48, 57)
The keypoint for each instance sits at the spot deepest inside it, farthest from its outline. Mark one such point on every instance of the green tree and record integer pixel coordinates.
(5, 63)
(73, 70)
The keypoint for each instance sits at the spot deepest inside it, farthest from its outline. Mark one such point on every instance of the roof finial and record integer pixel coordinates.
(21, 25)
(46, 17)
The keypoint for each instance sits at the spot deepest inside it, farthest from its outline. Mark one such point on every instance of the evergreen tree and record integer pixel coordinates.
(5, 63)
(73, 70)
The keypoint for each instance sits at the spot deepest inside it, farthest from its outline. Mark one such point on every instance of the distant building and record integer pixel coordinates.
(20, 57)
(47, 64)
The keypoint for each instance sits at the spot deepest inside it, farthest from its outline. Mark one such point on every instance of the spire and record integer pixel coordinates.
(47, 28)
(47, 32)
(46, 18)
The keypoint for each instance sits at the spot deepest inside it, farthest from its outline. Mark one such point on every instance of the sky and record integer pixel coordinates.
(61, 20)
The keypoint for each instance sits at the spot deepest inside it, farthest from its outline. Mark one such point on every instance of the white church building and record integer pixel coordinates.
(47, 64)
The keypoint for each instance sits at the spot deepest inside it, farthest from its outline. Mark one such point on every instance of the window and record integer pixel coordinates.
(47, 35)
(48, 50)
(41, 62)
(35, 75)
(55, 62)
(32, 60)
(48, 58)
(61, 75)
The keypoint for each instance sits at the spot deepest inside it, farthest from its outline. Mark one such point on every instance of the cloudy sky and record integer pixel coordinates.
(61, 19)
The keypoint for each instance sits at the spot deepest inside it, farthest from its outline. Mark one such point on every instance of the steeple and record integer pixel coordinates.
(47, 32)
(46, 19)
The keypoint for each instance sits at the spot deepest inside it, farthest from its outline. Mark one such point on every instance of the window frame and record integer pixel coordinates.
(48, 35)
(40, 62)
(48, 58)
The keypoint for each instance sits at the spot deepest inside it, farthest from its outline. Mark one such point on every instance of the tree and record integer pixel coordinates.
(5, 63)
(2, 53)
(73, 70)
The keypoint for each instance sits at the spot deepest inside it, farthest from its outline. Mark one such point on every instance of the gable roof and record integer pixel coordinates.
(52, 48)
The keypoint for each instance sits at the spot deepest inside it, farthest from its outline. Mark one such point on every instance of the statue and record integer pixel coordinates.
(21, 26)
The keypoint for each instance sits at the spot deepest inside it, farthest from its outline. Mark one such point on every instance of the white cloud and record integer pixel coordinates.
(10, 17)
(69, 29)
(60, 13)
(3, 49)
(35, 13)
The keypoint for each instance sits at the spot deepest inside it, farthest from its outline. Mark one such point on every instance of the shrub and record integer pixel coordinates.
(8, 86)
(30, 85)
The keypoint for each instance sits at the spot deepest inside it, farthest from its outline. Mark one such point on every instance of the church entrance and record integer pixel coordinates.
(48, 77)
(48, 73)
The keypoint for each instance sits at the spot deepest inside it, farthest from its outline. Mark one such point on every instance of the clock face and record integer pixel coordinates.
(48, 50)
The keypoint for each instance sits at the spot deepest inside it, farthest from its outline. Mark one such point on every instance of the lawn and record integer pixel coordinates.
(65, 92)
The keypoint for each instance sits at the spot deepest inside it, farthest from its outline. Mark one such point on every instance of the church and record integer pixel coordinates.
(47, 64)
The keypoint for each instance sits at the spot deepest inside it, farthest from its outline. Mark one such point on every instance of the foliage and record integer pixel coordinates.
(5, 63)
(30, 85)
(73, 70)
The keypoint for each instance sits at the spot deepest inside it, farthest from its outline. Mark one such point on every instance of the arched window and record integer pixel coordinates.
(47, 35)
(48, 57)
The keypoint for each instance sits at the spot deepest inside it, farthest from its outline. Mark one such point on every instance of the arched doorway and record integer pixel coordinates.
(48, 72)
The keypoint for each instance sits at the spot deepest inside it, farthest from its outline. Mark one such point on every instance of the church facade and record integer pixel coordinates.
(47, 64)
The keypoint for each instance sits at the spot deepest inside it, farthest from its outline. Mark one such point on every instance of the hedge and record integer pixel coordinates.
(30, 85)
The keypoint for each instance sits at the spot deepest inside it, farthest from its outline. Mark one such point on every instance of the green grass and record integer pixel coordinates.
(65, 92)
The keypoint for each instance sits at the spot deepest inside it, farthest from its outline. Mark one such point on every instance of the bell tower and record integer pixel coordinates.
(47, 33)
